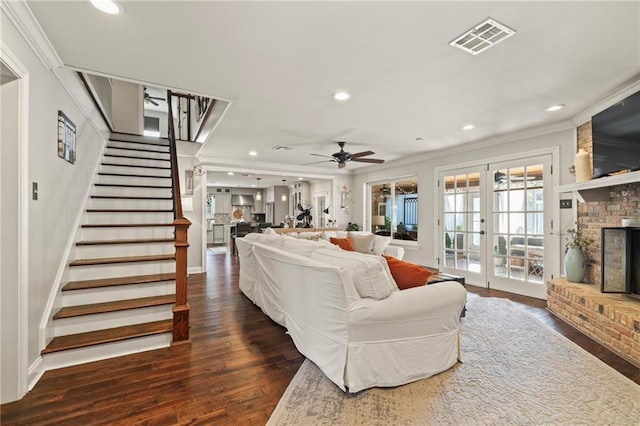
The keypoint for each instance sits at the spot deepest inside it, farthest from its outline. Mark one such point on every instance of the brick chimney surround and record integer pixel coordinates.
(613, 320)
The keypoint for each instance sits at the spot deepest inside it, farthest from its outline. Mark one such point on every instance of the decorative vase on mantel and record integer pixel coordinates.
(574, 265)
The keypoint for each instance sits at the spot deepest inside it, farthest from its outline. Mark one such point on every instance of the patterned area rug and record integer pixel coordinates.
(515, 371)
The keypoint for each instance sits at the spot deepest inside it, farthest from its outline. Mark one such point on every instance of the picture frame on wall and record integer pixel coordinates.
(188, 182)
(66, 138)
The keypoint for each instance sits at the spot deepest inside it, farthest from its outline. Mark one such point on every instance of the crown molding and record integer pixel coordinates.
(627, 89)
(22, 17)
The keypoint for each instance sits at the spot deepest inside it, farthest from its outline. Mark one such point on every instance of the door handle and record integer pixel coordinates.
(481, 232)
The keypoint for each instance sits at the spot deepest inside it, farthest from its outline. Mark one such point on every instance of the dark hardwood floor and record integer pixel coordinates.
(234, 372)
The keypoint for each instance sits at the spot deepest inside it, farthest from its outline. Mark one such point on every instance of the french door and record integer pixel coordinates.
(495, 222)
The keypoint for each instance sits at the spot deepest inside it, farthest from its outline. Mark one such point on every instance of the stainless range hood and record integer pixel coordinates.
(242, 200)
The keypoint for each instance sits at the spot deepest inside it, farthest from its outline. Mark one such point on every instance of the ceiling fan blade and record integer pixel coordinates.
(362, 154)
(317, 162)
(321, 155)
(157, 98)
(151, 101)
(368, 160)
(341, 165)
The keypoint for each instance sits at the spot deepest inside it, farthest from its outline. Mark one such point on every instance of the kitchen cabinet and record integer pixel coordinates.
(269, 195)
(300, 192)
(223, 203)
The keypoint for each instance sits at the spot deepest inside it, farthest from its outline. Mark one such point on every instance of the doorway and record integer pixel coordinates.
(13, 214)
(494, 224)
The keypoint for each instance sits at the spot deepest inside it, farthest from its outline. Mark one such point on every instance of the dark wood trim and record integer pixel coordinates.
(134, 165)
(118, 305)
(127, 259)
(95, 102)
(113, 242)
(135, 157)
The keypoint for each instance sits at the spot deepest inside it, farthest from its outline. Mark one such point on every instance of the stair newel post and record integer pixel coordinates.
(181, 225)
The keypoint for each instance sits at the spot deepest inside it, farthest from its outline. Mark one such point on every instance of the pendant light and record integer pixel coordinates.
(284, 194)
(258, 192)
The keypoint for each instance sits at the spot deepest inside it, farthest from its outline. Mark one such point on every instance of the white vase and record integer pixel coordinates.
(574, 265)
(583, 166)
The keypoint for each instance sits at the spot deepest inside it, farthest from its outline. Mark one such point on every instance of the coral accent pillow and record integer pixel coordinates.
(406, 274)
(343, 243)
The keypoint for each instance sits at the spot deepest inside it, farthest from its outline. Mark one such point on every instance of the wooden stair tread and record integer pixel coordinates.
(118, 305)
(131, 241)
(136, 157)
(133, 175)
(111, 282)
(129, 211)
(131, 197)
(125, 259)
(136, 165)
(81, 340)
(122, 185)
(124, 225)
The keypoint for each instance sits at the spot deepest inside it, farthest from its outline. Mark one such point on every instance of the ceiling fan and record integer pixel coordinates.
(152, 99)
(342, 157)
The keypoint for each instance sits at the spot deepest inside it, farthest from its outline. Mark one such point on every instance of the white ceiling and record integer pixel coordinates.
(279, 64)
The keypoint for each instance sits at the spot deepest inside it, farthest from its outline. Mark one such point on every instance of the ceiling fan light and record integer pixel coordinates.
(108, 6)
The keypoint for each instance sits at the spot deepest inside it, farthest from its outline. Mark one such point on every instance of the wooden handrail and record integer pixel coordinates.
(181, 224)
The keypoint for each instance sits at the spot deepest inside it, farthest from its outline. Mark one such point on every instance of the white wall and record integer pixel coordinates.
(186, 160)
(62, 186)
(509, 145)
(9, 229)
(127, 106)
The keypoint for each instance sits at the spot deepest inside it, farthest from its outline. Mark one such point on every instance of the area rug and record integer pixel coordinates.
(516, 371)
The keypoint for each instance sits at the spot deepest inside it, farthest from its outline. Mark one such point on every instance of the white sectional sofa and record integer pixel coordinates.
(345, 313)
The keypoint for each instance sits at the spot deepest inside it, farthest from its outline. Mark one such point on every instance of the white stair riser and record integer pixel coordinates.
(94, 272)
(95, 218)
(91, 234)
(156, 148)
(134, 170)
(108, 350)
(119, 250)
(85, 323)
(128, 180)
(135, 162)
(118, 203)
(118, 292)
(130, 153)
(119, 191)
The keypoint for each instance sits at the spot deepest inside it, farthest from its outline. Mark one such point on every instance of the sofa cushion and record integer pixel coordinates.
(370, 274)
(343, 243)
(274, 240)
(301, 247)
(362, 243)
(327, 235)
(380, 243)
(315, 236)
(406, 274)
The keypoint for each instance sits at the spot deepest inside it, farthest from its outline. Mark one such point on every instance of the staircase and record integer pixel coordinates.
(121, 282)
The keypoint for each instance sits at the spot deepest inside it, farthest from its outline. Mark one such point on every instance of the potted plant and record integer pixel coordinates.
(575, 254)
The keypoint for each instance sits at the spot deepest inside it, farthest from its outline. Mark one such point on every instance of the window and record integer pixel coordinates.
(394, 208)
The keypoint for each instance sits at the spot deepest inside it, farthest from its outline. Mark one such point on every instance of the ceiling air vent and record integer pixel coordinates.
(282, 147)
(482, 36)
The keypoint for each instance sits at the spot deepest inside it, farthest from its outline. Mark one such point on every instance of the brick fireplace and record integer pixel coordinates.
(611, 319)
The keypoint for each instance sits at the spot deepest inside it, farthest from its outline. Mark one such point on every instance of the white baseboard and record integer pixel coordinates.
(195, 270)
(36, 370)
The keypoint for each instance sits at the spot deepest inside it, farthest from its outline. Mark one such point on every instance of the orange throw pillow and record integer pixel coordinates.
(406, 274)
(343, 243)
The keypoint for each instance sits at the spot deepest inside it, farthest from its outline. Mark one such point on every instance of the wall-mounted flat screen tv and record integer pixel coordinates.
(616, 137)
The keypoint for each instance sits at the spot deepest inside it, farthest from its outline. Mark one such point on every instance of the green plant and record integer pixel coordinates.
(576, 240)
(353, 227)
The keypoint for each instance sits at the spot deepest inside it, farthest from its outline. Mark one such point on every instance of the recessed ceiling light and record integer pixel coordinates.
(468, 127)
(341, 96)
(253, 185)
(108, 6)
(253, 153)
(300, 178)
(230, 173)
(555, 107)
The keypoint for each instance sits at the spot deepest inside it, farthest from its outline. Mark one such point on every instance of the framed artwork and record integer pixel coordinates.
(66, 138)
(188, 182)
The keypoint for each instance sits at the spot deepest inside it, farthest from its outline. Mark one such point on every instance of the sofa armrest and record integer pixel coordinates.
(395, 251)
(415, 312)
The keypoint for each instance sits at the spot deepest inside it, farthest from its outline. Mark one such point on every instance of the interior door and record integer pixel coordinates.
(495, 223)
